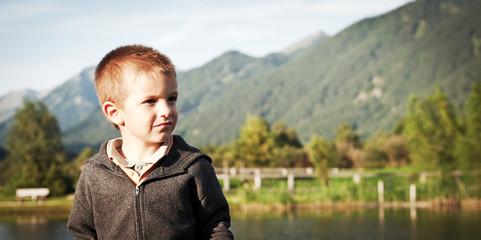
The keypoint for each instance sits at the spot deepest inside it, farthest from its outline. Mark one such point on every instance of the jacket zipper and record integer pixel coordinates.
(137, 203)
(137, 189)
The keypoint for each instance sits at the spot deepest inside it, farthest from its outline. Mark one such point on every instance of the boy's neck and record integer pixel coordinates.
(138, 151)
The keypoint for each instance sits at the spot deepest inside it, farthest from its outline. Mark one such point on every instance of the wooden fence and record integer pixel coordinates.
(291, 173)
(259, 173)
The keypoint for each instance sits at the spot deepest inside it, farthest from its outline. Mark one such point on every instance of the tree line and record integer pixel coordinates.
(433, 135)
(35, 155)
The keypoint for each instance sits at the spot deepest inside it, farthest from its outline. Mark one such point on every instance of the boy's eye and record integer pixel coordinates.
(150, 101)
(172, 99)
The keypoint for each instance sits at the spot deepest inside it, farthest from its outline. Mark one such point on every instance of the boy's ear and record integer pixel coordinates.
(112, 112)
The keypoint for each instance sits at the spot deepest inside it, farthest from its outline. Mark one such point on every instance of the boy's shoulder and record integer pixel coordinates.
(100, 155)
(182, 155)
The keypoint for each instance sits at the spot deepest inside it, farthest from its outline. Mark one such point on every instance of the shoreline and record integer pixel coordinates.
(439, 204)
(56, 207)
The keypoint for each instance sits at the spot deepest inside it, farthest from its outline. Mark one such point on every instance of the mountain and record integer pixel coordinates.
(74, 100)
(90, 132)
(364, 75)
(304, 44)
(227, 71)
(70, 102)
(10, 102)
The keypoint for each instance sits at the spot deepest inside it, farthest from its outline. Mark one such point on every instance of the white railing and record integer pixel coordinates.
(291, 173)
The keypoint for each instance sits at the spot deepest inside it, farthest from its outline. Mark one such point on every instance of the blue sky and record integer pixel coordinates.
(45, 42)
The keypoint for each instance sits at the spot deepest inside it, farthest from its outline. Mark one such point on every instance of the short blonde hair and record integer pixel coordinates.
(126, 63)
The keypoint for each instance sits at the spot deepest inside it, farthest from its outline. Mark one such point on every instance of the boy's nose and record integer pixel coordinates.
(163, 109)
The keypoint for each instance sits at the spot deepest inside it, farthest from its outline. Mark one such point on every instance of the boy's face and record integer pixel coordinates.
(149, 112)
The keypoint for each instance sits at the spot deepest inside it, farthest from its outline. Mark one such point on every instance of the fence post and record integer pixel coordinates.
(380, 191)
(257, 179)
(290, 182)
(356, 178)
(226, 180)
(412, 195)
(233, 171)
(422, 177)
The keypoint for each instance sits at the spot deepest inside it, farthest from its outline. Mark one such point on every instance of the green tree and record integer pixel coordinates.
(374, 152)
(289, 157)
(318, 150)
(3, 153)
(36, 154)
(288, 150)
(255, 145)
(348, 145)
(430, 129)
(221, 155)
(284, 135)
(6, 166)
(468, 146)
(384, 149)
(397, 154)
(77, 164)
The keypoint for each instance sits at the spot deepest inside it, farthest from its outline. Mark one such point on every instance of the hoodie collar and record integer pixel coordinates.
(114, 145)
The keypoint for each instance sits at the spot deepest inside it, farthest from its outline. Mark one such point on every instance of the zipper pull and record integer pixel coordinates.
(136, 190)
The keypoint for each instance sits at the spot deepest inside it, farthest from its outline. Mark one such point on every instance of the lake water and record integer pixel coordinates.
(321, 224)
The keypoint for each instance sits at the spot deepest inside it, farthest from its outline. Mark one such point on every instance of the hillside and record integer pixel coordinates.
(75, 103)
(10, 102)
(71, 102)
(74, 100)
(363, 75)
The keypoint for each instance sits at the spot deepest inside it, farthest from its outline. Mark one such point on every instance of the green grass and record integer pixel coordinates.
(51, 206)
(344, 190)
(274, 192)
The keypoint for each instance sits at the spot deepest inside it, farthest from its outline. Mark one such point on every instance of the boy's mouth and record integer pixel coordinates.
(163, 124)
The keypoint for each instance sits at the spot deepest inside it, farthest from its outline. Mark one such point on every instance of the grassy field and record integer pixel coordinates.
(51, 206)
(343, 191)
(310, 193)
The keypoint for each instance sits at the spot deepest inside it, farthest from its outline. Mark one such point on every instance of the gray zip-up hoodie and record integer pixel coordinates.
(180, 199)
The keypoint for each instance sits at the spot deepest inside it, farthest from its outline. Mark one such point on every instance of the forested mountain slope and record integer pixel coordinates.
(363, 75)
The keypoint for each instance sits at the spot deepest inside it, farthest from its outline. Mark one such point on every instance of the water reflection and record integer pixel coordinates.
(413, 214)
(382, 223)
(412, 217)
(38, 227)
(31, 220)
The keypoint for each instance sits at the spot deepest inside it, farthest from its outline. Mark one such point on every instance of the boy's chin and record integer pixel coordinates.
(163, 139)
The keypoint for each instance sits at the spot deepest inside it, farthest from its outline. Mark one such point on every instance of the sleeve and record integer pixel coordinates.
(81, 221)
(212, 209)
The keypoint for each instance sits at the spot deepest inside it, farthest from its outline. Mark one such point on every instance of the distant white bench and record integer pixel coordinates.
(32, 193)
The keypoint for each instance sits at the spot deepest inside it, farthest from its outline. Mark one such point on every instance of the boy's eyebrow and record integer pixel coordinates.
(175, 93)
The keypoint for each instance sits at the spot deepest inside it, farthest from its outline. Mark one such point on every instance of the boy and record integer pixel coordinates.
(148, 184)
